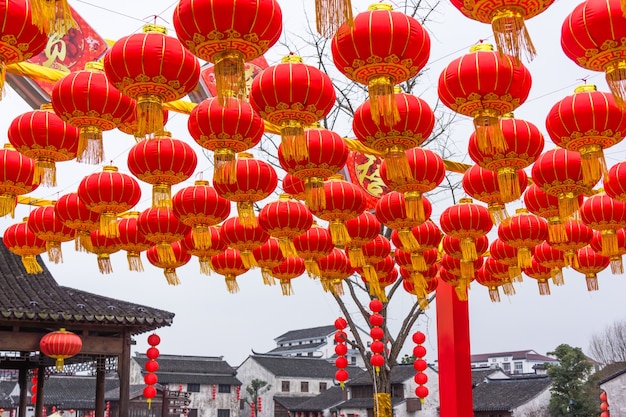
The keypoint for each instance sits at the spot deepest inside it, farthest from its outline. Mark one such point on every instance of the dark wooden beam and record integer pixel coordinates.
(92, 345)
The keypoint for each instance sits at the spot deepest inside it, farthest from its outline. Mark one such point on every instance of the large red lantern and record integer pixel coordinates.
(151, 68)
(21, 241)
(44, 137)
(214, 246)
(179, 258)
(255, 181)
(73, 213)
(228, 33)
(162, 161)
(245, 239)
(17, 177)
(485, 85)
(160, 226)
(230, 265)
(267, 256)
(226, 131)
(524, 143)
(591, 37)
(523, 231)
(507, 19)
(103, 108)
(466, 221)
(285, 219)
(380, 49)
(109, 193)
(327, 155)
(587, 122)
(591, 263)
(391, 210)
(617, 266)
(288, 269)
(541, 273)
(602, 213)
(615, 183)
(45, 224)
(362, 229)
(60, 345)
(415, 124)
(132, 240)
(333, 269)
(103, 247)
(312, 245)
(292, 95)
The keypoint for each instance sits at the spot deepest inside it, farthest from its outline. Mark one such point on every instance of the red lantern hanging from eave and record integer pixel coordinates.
(230, 265)
(362, 229)
(21, 38)
(152, 68)
(327, 155)
(312, 245)
(524, 231)
(103, 108)
(60, 345)
(602, 213)
(415, 124)
(245, 239)
(228, 33)
(333, 269)
(160, 226)
(17, 177)
(381, 49)
(73, 213)
(617, 266)
(559, 172)
(482, 184)
(103, 247)
(162, 161)
(551, 258)
(426, 171)
(179, 258)
(590, 264)
(591, 37)
(226, 131)
(466, 221)
(256, 180)
(199, 207)
(44, 137)
(286, 271)
(540, 273)
(132, 240)
(485, 85)
(268, 256)
(285, 219)
(578, 235)
(109, 193)
(214, 246)
(587, 122)
(21, 241)
(507, 19)
(391, 210)
(45, 224)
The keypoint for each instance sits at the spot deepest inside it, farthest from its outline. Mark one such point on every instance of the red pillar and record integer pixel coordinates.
(453, 346)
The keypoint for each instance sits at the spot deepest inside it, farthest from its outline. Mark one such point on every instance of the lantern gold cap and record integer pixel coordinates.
(521, 210)
(152, 28)
(482, 47)
(109, 168)
(337, 177)
(94, 66)
(284, 197)
(8, 146)
(379, 6)
(46, 107)
(244, 155)
(201, 182)
(292, 58)
(466, 200)
(508, 115)
(163, 134)
(131, 214)
(585, 88)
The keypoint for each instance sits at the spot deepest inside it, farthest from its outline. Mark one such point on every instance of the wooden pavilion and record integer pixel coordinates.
(34, 305)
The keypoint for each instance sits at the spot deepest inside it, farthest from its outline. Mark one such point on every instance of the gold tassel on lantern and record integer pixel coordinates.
(45, 173)
(205, 265)
(225, 171)
(467, 270)
(418, 263)
(165, 253)
(339, 233)
(248, 259)
(245, 211)
(231, 284)
(7, 204)
(571, 258)
(331, 14)
(337, 287)
(3, 77)
(508, 288)
(171, 276)
(515, 274)
(355, 253)
(104, 263)
(557, 276)
(414, 206)
(423, 303)
(508, 183)
(149, 115)
(568, 206)
(312, 268)
(398, 169)
(617, 266)
(494, 294)
(461, 290)
(161, 195)
(592, 282)
(230, 76)
(31, 265)
(593, 164)
(287, 247)
(524, 257)
(108, 225)
(327, 285)
(419, 284)
(268, 279)
(489, 137)
(409, 243)
(315, 196)
(201, 237)
(90, 149)
(616, 79)
(383, 100)
(82, 241)
(134, 262)
(468, 250)
(382, 405)
(511, 35)
(623, 4)
(544, 287)
(52, 16)
(286, 287)
(293, 142)
(610, 244)
(371, 276)
(498, 213)
(55, 255)
(556, 230)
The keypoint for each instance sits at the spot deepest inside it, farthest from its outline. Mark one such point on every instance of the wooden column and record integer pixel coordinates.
(41, 373)
(123, 369)
(22, 381)
(453, 345)
(100, 374)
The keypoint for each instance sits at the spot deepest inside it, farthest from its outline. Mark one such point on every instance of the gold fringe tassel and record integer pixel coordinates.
(201, 237)
(357, 260)
(82, 241)
(268, 279)
(461, 290)
(524, 258)
(245, 211)
(556, 231)
(90, 148)
(171, 276)
(230, 76)
(31, 265)
(623, 4)
(494, 294)
(489, 137)
(498, 213)
(592, 282)
(225, 171)
(339, 233)
(423, 303)
(108, 225)
(8, 202)
(149, 115)
(371, 276)
(593, 164)
(383, 100)
(337, 287)
(511, 35)
(616, 79)
(55, 255)
(331, 14)
(467, 270)
(286, 287)
(414, 206)
(508, 288)
(287, 247)
(557, 276)
(104, 263)
(397, 164)
(314, 193)
(134, 262)
(508, 183)
(617, 266)
(327, 285)
(408, 240)
(161, 196)
(568, 206)
(293, 141)
(248, 259)
(165, 253)
(45, 173)
(544, 287)
(231, 284)
(515, 273)
(610, 246)
(52, 16)
(312, 268)
(205, 266)
(468, 250)
(418, 263)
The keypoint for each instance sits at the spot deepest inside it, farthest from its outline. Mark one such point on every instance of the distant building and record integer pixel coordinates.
(513, 396)
(515, 362)
(615, 387)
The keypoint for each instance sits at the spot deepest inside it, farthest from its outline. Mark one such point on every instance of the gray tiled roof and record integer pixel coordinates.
(30, 298)
(291, 403)
(479, 375)
(179, 369)
(611, 371)
(368, 402)
(288, 366)
(327, 399)
(305, 334)
(399, 375)
(507, 394)
(75, 391)
(293, 348)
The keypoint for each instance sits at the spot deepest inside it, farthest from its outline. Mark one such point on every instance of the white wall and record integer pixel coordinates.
(616, 395)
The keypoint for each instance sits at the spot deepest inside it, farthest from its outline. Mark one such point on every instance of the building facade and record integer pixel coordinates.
(515, 362)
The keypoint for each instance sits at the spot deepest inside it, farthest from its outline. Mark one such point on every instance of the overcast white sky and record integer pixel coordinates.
(209, 321)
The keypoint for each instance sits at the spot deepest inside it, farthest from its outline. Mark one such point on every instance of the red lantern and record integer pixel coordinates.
(416, 261)
(288, 269)
(380, 49)
(149, 393)
(499, 271)
(421, 392)
(541, 274)
(73, 213)
(333, 269)
(327, 155)
(268, 256)
(391, 210)
(151, 68)
(130, 125)
(230, 265)
(285, 219)
(524, 143)
(492, 283)
(615, 182)
(103, 108)
(416, 121)
(578, 235)
(452, 246)
(45, 224)
(506, 254)
(587, 122)
(154, 339)
(132, 241)
(465, 270)
(109, 193)
(617, 267)
(245, 239)
(17, 177)
(60, 345)
(428, 236)
(591, 37)
(485, 85)
(44, 137)
(21, 241)
(179, 257)
(590, 263)
(292, 95)
(507, 21)
(162, 228)
(523, 231)
(103, 247)
(341, 375)
(214, 246)
(225, 131)
(256, 180)
(362, 229)
(228, 33)
(295, 187)
(551, 258)
(602, 213)
(150, 379)
(312, 245)
(466, 221)
(162, 161)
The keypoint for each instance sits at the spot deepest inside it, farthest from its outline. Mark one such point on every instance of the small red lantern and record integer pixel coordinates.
(60, 345)
(551, 258)
(103, 108)
(245, 239)
(73, 213)
(285, 219)
(103, 247)
(292, 95)
(268, 256)
(228, 33)
(230, 265)
(485, 85)
(16, 178)
(380, 49)
(499, 271)
(179, 257)
(214, 246)
(590, 263)
(333, 269)
(162, 161)
(44, 137)
(524, 231)
(151, 68)
(314, 244)
(288, 269)
(492, 283)
(466, 221)
(506, 254)
(132, 241)
(160, 226)
(601, 212)
(109, 193)
(21, 241)
(45, 224)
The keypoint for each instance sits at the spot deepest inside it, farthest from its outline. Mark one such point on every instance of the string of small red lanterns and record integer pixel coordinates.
(419, 351)
(341, 362)
(376, 320)
(151, 366)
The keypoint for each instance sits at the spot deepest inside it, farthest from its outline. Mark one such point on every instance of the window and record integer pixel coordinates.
(193, 412)
(304, 386)
(223, 388)
(223, 412)
(506, 367)
(285, 386)
(193, 387)
(352, 360)
(322, 386)
(519, 367)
